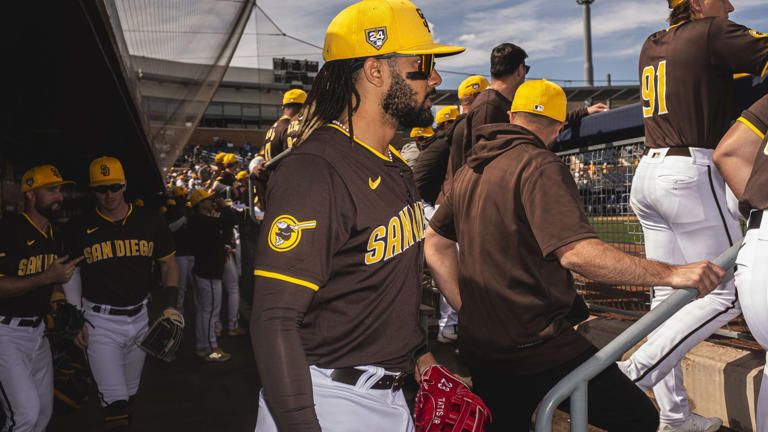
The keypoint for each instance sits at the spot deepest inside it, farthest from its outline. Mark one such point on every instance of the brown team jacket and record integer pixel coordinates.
(510, 207)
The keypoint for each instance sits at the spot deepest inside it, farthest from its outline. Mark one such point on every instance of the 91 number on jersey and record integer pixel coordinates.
(654, 88)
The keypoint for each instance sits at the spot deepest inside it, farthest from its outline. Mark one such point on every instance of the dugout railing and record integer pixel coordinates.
(574, 385)
(603, 174)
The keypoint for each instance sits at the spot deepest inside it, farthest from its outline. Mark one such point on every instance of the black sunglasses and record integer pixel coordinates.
(114, 188)
(526, 68)
(426, 65)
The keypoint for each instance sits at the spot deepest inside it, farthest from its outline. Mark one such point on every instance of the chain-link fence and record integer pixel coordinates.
(603, 174)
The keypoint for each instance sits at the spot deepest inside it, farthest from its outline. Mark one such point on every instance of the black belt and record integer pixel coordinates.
(119, 312)
(673, 151)
(351, 376)
(755, 218)
(24, 322)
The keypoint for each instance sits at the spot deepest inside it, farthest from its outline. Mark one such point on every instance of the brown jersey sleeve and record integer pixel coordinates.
(309, 217)
(553, 208)
(737, 47)
(756, 117)
(442, 221)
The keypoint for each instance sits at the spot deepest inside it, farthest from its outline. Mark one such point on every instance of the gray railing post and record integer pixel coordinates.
(575, 383)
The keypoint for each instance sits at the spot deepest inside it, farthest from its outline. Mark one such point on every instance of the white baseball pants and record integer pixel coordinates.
(185, 264)
(230, 282)
(752, 285)
(207, 302)
(681, 204)
(26, 377)
(113, 353)
(346, 408)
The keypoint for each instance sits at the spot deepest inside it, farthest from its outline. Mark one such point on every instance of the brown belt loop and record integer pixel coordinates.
(673, 151)
(351, 376)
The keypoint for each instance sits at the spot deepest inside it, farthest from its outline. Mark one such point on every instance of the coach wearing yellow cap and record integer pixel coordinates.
(31, 269)
(445, 117)
(332, 250)
(518, 309)
(121, 244)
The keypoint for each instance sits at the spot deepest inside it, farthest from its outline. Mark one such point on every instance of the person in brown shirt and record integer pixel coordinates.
(686, 74)
(275, 141)
(742, 158)
(335, 322)
(515, 210)
(508, 71)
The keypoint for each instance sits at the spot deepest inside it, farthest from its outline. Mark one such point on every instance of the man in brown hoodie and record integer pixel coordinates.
(515, 210)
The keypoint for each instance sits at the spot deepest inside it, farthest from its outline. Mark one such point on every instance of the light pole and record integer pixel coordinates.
(588, 73)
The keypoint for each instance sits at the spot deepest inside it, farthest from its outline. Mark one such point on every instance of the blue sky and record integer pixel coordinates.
(549, 30)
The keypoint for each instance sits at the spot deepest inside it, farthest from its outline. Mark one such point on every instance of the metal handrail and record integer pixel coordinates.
(575, 383)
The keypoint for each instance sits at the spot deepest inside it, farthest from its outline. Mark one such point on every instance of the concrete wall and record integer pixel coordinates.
(722, 381)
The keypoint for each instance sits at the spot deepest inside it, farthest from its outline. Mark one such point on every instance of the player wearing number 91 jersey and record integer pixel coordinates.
(686, 74)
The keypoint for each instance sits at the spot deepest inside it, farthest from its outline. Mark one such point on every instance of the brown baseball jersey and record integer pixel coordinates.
(274, 143)
(25, 250)
(346, 222)
(686, 79)
(510, 207)
(756, 191)
(292, 133)
(117, 269)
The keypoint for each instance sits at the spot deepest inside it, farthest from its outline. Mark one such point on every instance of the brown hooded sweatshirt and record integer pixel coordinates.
(510, 208)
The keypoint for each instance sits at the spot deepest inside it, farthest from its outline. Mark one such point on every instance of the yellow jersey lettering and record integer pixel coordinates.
(151, 249)
(106, 250)
(96, 252)
(39, 263)
(31, 263)
(119, 248)
(393, 238)
(22, 267)
(407, 228)
(134, 247)
(143, 248)
(87, 255)
(376, 245)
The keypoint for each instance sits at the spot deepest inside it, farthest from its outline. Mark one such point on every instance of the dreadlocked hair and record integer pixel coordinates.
(680, 13)
(333, 96)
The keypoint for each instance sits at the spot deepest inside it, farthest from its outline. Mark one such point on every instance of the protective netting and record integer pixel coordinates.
(175, 53)
(603, 175)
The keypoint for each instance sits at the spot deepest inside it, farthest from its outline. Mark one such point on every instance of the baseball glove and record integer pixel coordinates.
(445, 404)
(164, 337)
(65, 320)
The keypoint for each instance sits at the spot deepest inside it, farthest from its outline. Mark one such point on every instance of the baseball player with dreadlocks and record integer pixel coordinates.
(335, 321)
(686, 74)
(30, 270)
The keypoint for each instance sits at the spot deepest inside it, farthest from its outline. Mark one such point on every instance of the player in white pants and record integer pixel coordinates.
(230, 282)
(742, 156)
(120, 243)
(449, 318)
(29, 272)
(680, 203)
(186, 282)
(677, 192)
(207, 301)
(375, 410)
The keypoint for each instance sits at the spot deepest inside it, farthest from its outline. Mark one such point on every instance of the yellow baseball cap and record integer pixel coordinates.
(179, 191)
(294, 96)
(422, 132)
(106, 170)
(219, 158)
(228, 159)
(241, 175)
(170, 202)
(447, 113)
(199, 195)
(41, 176)
(375, 27)
(139, 202)
(472, 85)
(676, 2)
(540, 97)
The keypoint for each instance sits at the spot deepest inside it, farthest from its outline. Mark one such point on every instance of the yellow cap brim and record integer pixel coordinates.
(106, 182)
(49, 184)
(439, 50)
